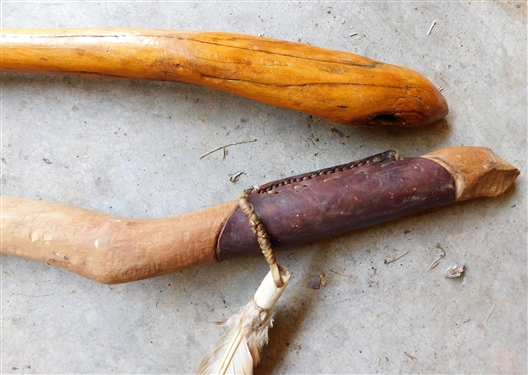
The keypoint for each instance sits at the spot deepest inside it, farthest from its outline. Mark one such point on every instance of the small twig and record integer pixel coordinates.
(339, 132)
(435, 262)
(395, 259)
(413, 358)
(312, 137)
(431, 28)
(47, 161)
(354, 34)
(492, 307)
(234, 177)
(338, 273)
(228, 145)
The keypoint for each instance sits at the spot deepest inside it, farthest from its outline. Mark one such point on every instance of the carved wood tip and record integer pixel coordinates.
(478, 171)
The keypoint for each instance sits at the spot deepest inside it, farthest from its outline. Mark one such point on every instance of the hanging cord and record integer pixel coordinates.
(262, 236)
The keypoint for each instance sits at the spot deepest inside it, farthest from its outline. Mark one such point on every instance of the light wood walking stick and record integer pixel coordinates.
(337, 86)
(281, 213)
(295, 210)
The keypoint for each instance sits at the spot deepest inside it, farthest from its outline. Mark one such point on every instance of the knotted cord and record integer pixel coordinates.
(262, 236)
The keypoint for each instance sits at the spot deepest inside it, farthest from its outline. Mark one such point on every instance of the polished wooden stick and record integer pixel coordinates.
(337, 86)
(111, 249)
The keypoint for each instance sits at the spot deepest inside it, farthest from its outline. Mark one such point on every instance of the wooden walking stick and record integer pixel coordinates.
(337, 86)
(303, 208)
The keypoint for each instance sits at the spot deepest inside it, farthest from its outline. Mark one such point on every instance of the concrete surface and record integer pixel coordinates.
(132, 149)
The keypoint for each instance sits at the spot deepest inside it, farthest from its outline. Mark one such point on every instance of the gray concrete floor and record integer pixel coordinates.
(132, 149)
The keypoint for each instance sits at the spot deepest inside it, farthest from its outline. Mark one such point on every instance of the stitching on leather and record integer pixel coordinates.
(384, 156)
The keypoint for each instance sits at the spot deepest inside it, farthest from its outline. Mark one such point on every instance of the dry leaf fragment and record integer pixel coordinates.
(437, 260)
(322, 278)
(455, 271)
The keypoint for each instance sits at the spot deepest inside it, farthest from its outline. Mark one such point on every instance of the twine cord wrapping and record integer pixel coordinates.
(262, 236)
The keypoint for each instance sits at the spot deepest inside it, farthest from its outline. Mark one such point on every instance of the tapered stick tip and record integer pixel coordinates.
(478, 171)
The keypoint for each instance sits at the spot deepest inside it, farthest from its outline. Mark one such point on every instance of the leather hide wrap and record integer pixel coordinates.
(335, 200)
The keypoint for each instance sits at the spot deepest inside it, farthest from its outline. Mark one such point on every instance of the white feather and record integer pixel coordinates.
(238, 350)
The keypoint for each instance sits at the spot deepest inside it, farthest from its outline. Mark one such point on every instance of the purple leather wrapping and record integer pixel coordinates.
(335, 200)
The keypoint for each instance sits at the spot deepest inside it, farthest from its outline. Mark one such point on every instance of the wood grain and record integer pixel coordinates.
(110, 249)
(337, 86)
(478, 171)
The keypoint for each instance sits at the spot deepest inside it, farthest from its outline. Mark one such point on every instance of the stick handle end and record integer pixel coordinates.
(478, 171)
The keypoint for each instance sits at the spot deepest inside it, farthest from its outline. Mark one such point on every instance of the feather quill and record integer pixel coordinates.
(238, 350)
